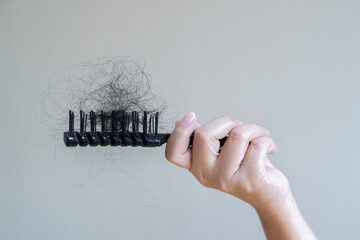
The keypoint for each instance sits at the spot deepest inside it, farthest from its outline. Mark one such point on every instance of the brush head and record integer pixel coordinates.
(119, 128)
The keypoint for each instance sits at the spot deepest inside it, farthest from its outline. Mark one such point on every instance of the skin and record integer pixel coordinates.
(241, 169)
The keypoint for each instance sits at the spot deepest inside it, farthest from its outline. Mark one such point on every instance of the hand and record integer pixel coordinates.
(241, 168)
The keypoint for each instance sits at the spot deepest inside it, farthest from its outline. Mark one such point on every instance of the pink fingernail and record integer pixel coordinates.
(188, 119)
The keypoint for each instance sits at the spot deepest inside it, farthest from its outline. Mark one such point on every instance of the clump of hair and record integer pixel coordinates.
(104, 84)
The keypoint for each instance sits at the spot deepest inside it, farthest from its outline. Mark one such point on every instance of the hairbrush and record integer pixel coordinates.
(118, 128)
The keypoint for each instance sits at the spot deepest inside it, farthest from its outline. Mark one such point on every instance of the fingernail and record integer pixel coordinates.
(240, 122)
(188, 119)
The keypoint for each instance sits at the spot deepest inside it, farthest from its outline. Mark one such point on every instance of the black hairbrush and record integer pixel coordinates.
(116, 131)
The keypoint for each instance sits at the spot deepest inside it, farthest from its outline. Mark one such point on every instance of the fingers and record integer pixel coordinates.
(247, 145)
(256, 155)
(206, 144)
(177, 148)
(235, 147)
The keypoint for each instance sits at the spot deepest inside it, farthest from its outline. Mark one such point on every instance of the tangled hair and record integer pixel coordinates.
(106, 83)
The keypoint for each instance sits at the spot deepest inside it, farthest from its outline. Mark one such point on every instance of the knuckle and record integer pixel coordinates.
(228, 118)
(256, 125)
(201, 135)
(260, 127)
(260, 144)
(180, 132)
(238, 134)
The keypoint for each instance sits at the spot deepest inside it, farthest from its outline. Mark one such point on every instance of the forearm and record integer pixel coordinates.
(285, 223)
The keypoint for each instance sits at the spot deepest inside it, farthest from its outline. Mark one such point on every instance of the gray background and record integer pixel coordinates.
(292, 66)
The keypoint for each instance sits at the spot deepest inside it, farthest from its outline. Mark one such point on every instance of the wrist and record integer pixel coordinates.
(285, 221)
(279, 209)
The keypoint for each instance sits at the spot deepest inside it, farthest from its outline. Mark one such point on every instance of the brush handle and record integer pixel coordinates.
(222, 141)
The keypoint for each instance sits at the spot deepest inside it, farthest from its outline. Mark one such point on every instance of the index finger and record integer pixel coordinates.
(206, 141)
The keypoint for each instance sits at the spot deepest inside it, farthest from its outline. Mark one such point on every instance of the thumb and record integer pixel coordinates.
(177, 148)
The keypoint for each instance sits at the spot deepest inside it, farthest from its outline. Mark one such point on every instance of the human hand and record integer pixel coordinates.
(241, 168)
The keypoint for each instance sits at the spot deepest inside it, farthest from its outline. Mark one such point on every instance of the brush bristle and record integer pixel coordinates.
(118, 128)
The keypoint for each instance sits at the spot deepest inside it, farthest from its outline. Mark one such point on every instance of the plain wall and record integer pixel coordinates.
(292, 66)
